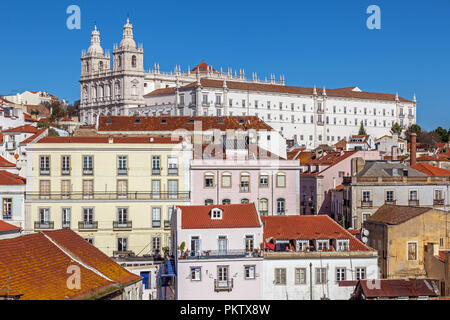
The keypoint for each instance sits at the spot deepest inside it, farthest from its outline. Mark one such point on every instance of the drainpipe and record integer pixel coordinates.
(310, 281)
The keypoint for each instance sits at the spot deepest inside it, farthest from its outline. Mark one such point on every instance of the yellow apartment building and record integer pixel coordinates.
(116, 192)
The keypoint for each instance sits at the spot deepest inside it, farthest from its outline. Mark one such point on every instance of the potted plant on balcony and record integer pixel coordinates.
(166, 251)
(181, 248)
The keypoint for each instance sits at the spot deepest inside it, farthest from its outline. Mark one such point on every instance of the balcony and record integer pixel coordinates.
(66, 224)
(173, 171)
(44, 171)
(410, 116)
(217, 254)
(320, 110)
(65, 171)
(244, 188)
(122, 225)
(88, 171)
(413, 202)
(366, 203)
(166, 224)
(156, 224)
(391, 202)
(122, 171)
(401, 115)
(44, 225)
(320, 123)
(224, 285)
(105, 196)
(438, 202)
(156, 171)
(88, 225)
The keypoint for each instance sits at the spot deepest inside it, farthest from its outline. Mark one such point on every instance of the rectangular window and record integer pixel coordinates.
(281, 180)
(245, 183)
(389, 196)
(301, 245)
(264, 181)
(413, 195)
(156, 244)
(45, 165)
(243, 103)
(173, 165)
(300, 275)
(122, 215)
(360, 273)
(88, 215)
(340, 274)
(218, 100)
(322, 245)
(249, 272)
(65, 165)
(156, 165)
(7, 208)
(156, 189)
(156, 217)
(195, 246)
(226, 180)
(88, 189)
(196, 273)
(88, 165)
(249, 243)
(343, 245)
(65, 189)
(122, 165)
(321, 275)
(122, 244)
(44, 215)
(412, 251)
(66, 217)
(122, 189)
(209, 181)
(280, 276)
(173, 189)
(44, 189)
(205, 99)
(366, 196)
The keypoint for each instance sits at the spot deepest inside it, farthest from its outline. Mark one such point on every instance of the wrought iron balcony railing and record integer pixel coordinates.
(44, 171)
(223, 285)
(122, 171)
(413, 202)
(66, 224)
(122, 225)
(166, 224)
(438, 202)
(44, 225)
(172, 195)
(366, 203)
(392, 202)
(215, 254)
(156, 171)
(173, 171)
(88, 225)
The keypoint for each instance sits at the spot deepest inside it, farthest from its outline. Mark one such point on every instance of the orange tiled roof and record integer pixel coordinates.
(172, 123)
(23, 129)
(106, 140)
(430, 170)
(5, 163)
(162, 91)
(250, 86)
(34, 136)
(37, 267)
(203, 67)
(10, 179)
(308, 227)
(4, 226)
(233, 216)
(29, 118)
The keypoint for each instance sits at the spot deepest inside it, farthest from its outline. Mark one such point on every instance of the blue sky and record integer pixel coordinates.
(322, 43)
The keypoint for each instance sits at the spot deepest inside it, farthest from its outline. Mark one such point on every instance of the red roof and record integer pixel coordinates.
(5, 163)
(34, 136)
(29, 118)
(172, 123)
(37, 267)
(308, 227)
(233, 216)
(23, 129)
(392, 288)
(4, 226)
(203, 67)
(106, 140)
(10, 179)
(430, 170)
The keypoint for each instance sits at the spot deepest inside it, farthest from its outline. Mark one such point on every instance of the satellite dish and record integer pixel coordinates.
(365, 239)
(366, 232)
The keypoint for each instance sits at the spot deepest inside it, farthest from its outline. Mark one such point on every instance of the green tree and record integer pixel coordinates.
(57, 110)
(362, 131)
(414, 128)
(443, 134)
(52, 133)
(396, 128)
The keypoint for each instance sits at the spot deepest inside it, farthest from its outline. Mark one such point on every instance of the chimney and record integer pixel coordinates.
(412, 155)
(394, 153)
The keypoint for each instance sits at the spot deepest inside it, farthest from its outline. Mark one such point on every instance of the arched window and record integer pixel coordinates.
(108, 90)
(245, 200)
(281, 180)
(94, 92)
(226, 180)
(119, 61)
(281, 206)
(100, 91)
(85, 93)
(226, 201)
(209, 202)
(264, 207)
(133, 61)
(134, 90)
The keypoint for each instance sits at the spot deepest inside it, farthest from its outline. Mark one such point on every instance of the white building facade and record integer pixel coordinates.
(310, 116)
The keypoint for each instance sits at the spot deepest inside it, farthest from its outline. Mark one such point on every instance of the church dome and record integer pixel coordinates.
(95, 48)
(127, 41)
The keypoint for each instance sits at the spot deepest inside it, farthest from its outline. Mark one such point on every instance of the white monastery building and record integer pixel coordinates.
(310, 116)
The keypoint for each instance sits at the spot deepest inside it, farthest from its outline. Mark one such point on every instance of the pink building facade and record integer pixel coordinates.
(316, 184)
(272, 185)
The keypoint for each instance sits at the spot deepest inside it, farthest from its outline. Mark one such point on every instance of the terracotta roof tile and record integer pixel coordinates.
(23, 129)
(106, 140)
(161, 92)
(172, 123)
(390, 214)
(37, 268)
(5, 163)
(233, 216)
(34, 136)
(308, 227)
(4, 226)
(430, 170)
(10, 179)
(391, 288)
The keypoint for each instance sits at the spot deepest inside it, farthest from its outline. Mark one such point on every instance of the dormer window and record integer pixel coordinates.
(216, 214)
(322, 245)
(301, 245)
(342, 244)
